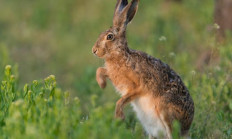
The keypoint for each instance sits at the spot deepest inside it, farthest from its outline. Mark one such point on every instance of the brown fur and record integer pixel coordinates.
(134, 74)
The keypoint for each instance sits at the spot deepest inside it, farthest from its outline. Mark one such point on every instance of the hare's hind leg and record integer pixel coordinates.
(122, 102)
(101, 76)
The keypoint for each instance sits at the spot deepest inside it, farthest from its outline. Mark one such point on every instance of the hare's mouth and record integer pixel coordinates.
(98, 52)
(95, 52)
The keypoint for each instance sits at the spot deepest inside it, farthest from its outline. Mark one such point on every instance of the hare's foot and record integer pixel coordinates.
(119, 113)
(101, 76)
(101, 82)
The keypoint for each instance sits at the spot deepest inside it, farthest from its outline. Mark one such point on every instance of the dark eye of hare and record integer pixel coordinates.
(110, 37)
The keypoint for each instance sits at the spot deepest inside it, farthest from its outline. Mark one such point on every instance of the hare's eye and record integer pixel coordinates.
(110, 37)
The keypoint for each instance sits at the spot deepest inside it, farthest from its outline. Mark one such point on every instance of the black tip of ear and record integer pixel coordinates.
(122, 4)
(132, 10)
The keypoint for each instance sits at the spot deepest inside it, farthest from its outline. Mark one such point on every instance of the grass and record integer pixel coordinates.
(55, 37)
(41, 110)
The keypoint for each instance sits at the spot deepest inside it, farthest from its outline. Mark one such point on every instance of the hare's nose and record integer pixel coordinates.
(94, 50)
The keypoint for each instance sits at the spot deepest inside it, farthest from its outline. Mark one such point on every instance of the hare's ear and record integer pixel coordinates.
(124, 13)
(132, 9)
(121, 4)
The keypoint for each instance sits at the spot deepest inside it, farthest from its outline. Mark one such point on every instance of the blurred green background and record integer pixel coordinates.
(56, 36)
(43, 37)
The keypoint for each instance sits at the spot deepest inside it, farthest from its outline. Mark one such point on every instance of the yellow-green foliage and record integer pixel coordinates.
(40, 110)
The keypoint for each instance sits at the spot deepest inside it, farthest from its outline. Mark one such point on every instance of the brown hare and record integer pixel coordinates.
(156, 92)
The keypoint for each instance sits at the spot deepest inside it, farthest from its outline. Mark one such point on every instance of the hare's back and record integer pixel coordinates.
(164, 82)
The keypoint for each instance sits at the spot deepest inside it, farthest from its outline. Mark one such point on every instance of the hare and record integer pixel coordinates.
(156, 92)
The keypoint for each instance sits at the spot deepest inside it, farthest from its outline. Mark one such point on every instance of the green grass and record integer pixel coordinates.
(41, 110)
(55, 37)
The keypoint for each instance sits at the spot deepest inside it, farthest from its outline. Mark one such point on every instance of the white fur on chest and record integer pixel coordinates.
(146, 113)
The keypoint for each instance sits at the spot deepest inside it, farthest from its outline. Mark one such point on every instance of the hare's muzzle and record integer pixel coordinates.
(94, 51)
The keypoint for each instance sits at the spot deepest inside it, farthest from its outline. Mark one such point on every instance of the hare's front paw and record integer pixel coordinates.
(119, 113)
(101, 76)
(101, 83)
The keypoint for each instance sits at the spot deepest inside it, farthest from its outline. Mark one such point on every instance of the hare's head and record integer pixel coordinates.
(113, 41)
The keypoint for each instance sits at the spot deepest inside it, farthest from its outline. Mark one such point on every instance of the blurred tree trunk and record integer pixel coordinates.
(223, 16)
